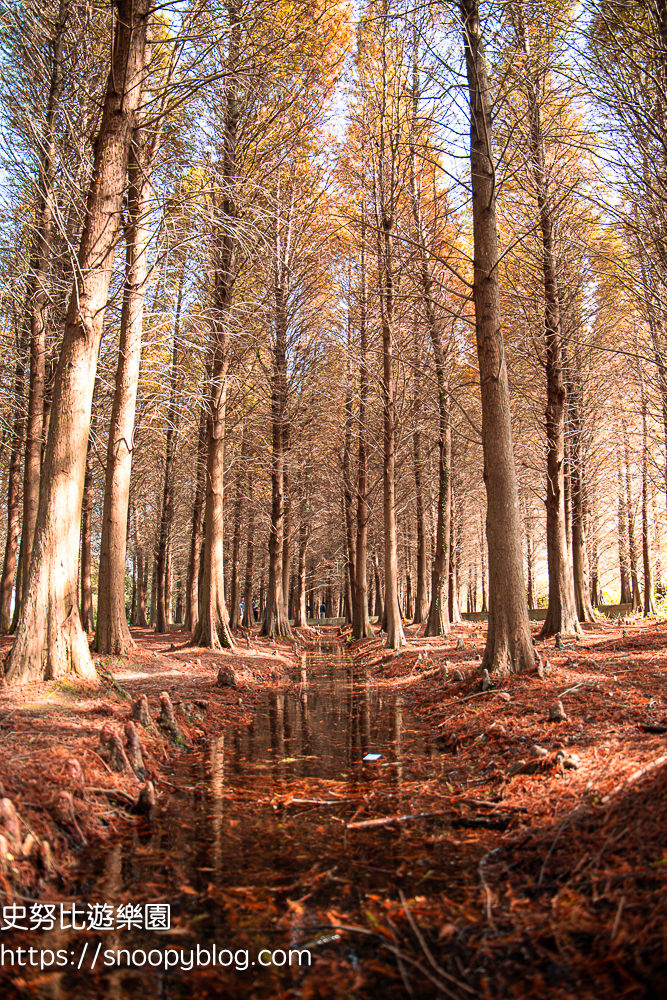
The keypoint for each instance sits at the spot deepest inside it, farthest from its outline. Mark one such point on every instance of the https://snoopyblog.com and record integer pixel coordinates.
(98, 917)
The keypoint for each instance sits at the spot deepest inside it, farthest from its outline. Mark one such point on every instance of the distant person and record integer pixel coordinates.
(323, 610)
(307, 610)
(242, 608)
(255, 610)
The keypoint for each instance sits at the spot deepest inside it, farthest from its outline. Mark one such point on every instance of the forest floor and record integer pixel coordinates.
(557, 828)
(51, 741)
(565, 820)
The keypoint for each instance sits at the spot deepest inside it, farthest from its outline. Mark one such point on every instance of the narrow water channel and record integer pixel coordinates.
(251, 854)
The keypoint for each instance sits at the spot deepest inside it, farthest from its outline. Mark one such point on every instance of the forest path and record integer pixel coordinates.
(251, 849)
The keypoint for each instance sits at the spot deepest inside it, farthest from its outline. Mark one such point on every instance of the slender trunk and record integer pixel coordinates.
(87, 619)
(300, 617)
(379, 589)
(275, 620)
(192, 584)
(49, 640)
(562, 609)
(421, 596)
(38, 296)
(13, 491)
(623, 546)
(348, 503)
(454, 565)
(248, 617)
(152, 615)
(213, 625)
(113, 634)
(167, 511)
(580, 565)
(392, 614)
(133, 603)
(596, 594)
(361, 627)
(509, 644)
(530, 564)
(657, 540)
(142, 575)
(407, 609)
(262, 587)
(482, 553)
(287, 530)
(439, 610)
(649, 605)
(632, 541)
(234, 601)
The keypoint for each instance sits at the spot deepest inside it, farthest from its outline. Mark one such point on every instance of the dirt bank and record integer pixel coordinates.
(60, 784)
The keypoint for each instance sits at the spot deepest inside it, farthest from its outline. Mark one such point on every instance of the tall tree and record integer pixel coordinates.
(49, 639)
(508, 643)
(113, 634)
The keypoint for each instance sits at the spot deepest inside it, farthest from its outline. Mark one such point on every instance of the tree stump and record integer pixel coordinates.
(75, 777)
(9, 823)
(112, 751)
(65, 814)
(226, 677)
(557, 712)
(145, 804)
(140, 712)
(166, 720)
(133, 749)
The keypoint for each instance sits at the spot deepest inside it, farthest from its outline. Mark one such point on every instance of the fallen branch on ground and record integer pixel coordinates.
(366, 824)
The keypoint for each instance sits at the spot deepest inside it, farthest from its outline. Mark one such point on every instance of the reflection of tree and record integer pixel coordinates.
(216, 762)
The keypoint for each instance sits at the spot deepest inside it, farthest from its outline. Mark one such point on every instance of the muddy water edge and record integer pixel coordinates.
(254, 855)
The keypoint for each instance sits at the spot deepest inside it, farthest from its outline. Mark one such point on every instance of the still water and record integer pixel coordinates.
(250, 855)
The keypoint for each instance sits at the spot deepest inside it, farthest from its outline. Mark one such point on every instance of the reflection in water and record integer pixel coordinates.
(231, 853)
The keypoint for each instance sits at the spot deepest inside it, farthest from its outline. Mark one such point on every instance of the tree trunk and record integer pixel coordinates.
(192, 584)
(658, 578)
(113, 633)
(509, 644)
(632, 542)
(213, 626)
(275, 621)
(454, 565)
(38, 297)
(596, 593)
(167, 511)
(287, 529)
(649, 604)
(300, 617)
(248, 617)
(623, 546)
(392, 614)
(379, 589)
(234, 601)
(348, 503)
(142, 574)
(87, 620)
(562, 609)
(580, 566)
(361, 628)
(421, 595)
(13, 491)
(50, 641)
(439, 610)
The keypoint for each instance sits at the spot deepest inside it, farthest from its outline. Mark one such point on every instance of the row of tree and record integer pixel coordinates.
(375, 277)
